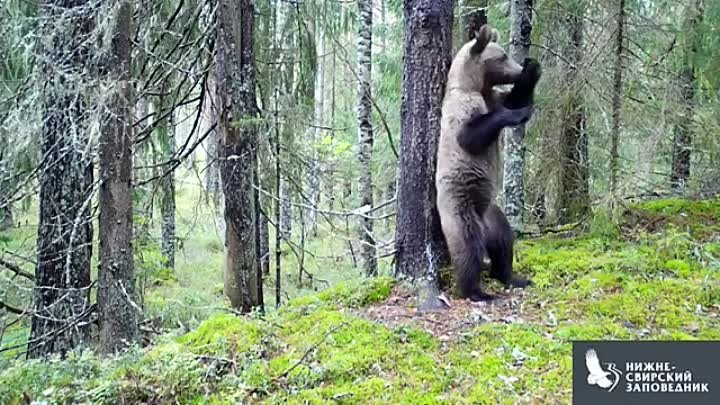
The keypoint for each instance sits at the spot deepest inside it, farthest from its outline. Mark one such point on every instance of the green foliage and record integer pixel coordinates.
(151, 266)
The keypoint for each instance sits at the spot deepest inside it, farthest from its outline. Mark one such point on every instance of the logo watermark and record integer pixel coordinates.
(646, 373)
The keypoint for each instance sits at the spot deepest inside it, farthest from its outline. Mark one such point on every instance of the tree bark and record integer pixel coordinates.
(237, 115)
(682, 138)
(118, 312)
(313, 180)
(167, 189)
(514, 159)
(368, 253)
(285, 208)
(6, 184)
(574, 193)
(265, 244)
(61, 297)
(617, 96)
(212, 144)
(420, 246)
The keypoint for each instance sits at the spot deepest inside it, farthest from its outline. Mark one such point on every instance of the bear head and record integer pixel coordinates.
(482, 63)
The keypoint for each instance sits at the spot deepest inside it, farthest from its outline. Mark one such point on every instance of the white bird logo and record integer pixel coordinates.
(598, 376)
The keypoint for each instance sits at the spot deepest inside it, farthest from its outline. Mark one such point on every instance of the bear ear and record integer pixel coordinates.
(483, 37)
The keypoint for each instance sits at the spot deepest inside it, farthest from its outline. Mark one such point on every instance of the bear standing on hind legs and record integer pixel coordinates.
(473, 113)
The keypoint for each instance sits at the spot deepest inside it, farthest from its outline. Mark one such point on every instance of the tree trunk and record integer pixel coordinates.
(368, 253)
(285, 209)
(420, 246)
(617, 97)
(212, 144)
(64, 239)
(118, 312)
(265, 244)
(313, 180)
(574, 193)
(474, 16)
(6, 184)
(390, 193)
(258, 242)
(237, 113)
(167, 186)
(682, 139)
(514, 159)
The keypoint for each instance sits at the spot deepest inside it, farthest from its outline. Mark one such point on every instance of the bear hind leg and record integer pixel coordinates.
(469, 260)
(499, 244)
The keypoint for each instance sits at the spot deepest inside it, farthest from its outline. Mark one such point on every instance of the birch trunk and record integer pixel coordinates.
(167, 197)
(514, 159)
(368, 254)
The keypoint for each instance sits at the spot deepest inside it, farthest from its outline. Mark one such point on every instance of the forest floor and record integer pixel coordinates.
(651, 272)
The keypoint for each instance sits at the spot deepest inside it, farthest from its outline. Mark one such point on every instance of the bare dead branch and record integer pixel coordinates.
(17, 269)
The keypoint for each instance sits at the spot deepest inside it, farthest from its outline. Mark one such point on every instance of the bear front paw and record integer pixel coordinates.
(532, 69)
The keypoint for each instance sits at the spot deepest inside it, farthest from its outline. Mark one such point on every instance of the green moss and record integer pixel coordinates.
(678, 206)
(701, 218)
(359, 294)
(656, 280)
(223, 334)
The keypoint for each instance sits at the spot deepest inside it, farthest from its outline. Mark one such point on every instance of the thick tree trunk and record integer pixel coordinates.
(64, 238)
(682, 139)
(368, 252)
(617, 97)
(118, 312)
(514, 159)
(237, 113)
(574, 193)
(420, 246)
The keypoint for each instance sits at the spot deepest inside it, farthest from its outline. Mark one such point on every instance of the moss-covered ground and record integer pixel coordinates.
(653, 273)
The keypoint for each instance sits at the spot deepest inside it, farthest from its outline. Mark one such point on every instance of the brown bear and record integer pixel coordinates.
(473, 112)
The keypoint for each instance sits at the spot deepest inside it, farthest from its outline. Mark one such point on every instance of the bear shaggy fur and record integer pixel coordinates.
(477, 233)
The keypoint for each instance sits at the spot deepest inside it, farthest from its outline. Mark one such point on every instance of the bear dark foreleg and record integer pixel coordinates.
(523, 91)
(498, 241)
(481, 130)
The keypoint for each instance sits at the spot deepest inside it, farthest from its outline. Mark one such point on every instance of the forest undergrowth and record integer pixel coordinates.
(650, 272)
